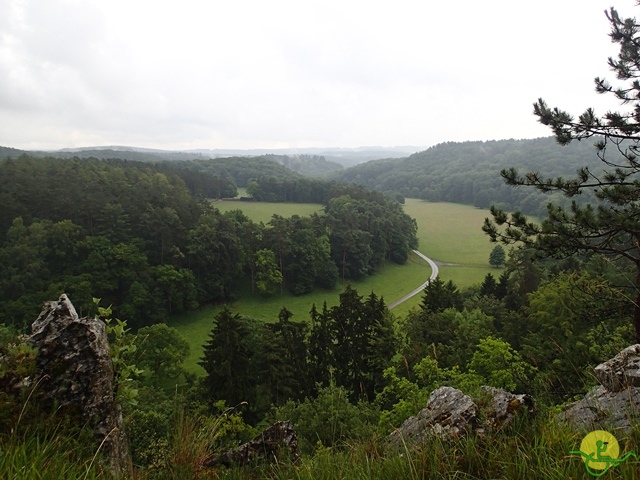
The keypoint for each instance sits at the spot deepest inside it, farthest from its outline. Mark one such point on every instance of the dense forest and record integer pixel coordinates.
(458, 172)
(144, 239)
(135, 235)
(469, 172)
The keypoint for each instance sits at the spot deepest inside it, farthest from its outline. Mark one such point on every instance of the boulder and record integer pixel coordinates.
(449, 412)
(264, 447)
(75, 375)
(504, 406)
(602, 409)
(621, 371)
(613, 405)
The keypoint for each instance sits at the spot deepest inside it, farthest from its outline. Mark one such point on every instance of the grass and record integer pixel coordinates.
(447, 232)
(263, 211)
(391, 283)
(533, 447)
(536, 448)
(451, 233)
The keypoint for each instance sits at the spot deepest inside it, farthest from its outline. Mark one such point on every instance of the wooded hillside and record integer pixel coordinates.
(469, 172)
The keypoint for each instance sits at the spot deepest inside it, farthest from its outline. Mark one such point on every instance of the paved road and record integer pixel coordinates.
(434, 274)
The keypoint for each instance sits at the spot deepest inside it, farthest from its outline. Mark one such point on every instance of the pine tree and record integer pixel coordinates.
(439, 296)
(610, 226)
(227, 359)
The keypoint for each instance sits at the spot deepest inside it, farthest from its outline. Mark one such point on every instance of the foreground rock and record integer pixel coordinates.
(76, 376)
(451, 413)
(448, 412)
(615, 403)
(504, 406)
(264, 447)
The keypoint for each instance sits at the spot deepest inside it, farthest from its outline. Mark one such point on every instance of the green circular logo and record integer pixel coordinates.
(600, 448)
(600, 451)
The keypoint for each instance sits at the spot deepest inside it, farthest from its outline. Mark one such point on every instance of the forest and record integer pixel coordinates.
(469, 172)
(144, 238)
(136, 243)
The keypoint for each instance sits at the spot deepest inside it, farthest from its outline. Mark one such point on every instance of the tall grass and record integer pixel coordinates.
(539, 450)
(50, 452)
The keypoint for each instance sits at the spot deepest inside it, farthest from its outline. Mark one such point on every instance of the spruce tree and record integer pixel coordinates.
(227, 359)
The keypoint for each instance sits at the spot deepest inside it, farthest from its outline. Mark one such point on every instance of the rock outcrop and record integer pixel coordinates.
(76, 376)
(264, 447)
(505, 406)
(449, 412)
(614, 404)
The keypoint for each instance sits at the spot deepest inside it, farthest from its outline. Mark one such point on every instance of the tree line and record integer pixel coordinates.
(469, 173)
(135, 235)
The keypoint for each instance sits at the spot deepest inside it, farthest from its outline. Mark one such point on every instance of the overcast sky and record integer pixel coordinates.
(294, 73)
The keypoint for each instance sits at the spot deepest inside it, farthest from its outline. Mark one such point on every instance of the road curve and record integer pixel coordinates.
(434, 274)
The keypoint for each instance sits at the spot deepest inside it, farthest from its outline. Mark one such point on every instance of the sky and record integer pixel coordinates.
(194, 74)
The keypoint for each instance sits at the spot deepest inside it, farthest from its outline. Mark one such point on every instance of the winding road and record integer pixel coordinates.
(434, 274)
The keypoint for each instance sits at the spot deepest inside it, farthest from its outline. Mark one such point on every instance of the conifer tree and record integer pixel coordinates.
(227, 359)
(609, 226)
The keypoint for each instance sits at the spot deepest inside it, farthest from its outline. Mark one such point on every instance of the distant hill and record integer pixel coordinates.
(347, 157)
(6, 152)
(469, 172)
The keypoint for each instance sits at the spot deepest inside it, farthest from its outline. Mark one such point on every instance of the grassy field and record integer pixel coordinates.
(450, 233)
(263, 211)
(391, 283)
(447, 232)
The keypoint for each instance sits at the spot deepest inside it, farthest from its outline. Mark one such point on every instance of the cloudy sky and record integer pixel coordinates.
(293, 73)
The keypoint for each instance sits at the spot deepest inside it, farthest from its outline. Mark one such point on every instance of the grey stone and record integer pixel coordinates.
(264, 447)
(505, 406)
(613, 405)
(75, 374)
(621, 371)
(604, 409)
(449, 412)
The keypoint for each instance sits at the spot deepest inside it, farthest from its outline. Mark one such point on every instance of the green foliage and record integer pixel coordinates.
(438, 296)
(497, 256)
(268, 277)
(366, 229)
(161, 352)
(227, 359)
(148, 434)
(501, 366)
(468, 172)
(123, 349)
(329, 419)
(399, 400)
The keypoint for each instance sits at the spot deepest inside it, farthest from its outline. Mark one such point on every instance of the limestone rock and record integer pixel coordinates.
(621, 371)
(613, 405)
(448, 412)
(504, 406)
(603, 409)
(75, 374)
(264, 447)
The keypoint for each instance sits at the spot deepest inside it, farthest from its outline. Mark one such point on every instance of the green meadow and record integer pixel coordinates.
(263, 211)
(448, 233)
(451, 235)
